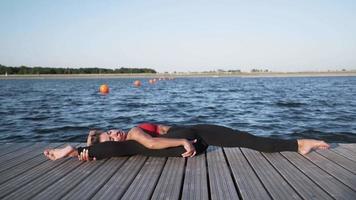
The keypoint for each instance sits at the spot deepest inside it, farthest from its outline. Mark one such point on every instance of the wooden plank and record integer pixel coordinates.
(319, 175)
(221, 183)
(332, 168)
(11, 147)
(331, 185)
(26, 178)
(305, 187)
(249, 185)
(195, 184)
(44, 181)
(8, 147)
(347, 153)
(170, 182)
(25, 166)
(30, 175)
(340, 160)
(91, 184)
(270, 178)
(22, 155)
(67, 182)
(351, 147)
(121, 180)
(144, 183)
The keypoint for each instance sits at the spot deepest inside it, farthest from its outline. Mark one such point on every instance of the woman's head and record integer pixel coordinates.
(96, 136)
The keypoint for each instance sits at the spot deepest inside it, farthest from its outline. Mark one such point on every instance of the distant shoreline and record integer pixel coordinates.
(181, 75)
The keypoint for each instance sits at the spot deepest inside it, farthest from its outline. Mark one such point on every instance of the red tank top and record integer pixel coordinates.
(148, 127)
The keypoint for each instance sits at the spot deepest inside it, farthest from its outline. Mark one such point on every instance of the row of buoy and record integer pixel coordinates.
(137, 83)
(104, 88)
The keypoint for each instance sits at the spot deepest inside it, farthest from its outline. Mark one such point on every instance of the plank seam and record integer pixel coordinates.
(9, 169)
(254, 171)
(182, 183)
(81, 180)
(285, 179)
(49, 185)
(331, 195)
(160, 174)
(108, 178)
(347, 147)
(13, 150)
(207, 174)
(9, 192)
(133, 178)
(25, 154)
(334, 162)
(38, 177)
(335, 177)
(338, 153)
(46, 175)
(232, 175)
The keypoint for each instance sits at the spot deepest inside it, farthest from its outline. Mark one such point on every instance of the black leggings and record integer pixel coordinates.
(205, 134)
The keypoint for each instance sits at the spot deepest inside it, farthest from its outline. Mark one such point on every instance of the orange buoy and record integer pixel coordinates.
(104, 89)
(137, 83)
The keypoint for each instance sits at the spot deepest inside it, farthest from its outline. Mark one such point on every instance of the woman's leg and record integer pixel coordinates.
(226, 137)
(128, 148)
(111, 149)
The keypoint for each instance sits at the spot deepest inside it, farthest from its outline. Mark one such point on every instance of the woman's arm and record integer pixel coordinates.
(150, 142)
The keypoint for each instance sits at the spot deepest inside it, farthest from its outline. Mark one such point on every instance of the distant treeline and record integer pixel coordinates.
(49, 70)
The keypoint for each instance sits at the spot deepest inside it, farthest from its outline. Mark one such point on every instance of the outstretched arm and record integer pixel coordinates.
(150, 142)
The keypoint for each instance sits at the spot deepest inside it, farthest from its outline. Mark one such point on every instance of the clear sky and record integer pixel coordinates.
(181, 35)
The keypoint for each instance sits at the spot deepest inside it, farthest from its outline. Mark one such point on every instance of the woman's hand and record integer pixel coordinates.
(190, 149)
(84, 156)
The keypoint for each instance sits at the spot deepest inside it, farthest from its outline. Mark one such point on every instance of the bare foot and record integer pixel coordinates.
(55, 154)
(306, 145)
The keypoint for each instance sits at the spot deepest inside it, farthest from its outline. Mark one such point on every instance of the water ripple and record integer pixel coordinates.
(64, 110)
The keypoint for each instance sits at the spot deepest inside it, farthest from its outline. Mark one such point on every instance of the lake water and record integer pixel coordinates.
(64, 110)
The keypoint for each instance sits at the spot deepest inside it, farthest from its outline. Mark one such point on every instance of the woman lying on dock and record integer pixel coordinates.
(165, 141)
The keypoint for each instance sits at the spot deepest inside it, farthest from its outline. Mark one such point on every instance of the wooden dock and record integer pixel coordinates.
(220, 173)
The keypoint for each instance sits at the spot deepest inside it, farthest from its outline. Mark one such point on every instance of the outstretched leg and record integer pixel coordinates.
(116, 149)
(226, 137)
(128, 148)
